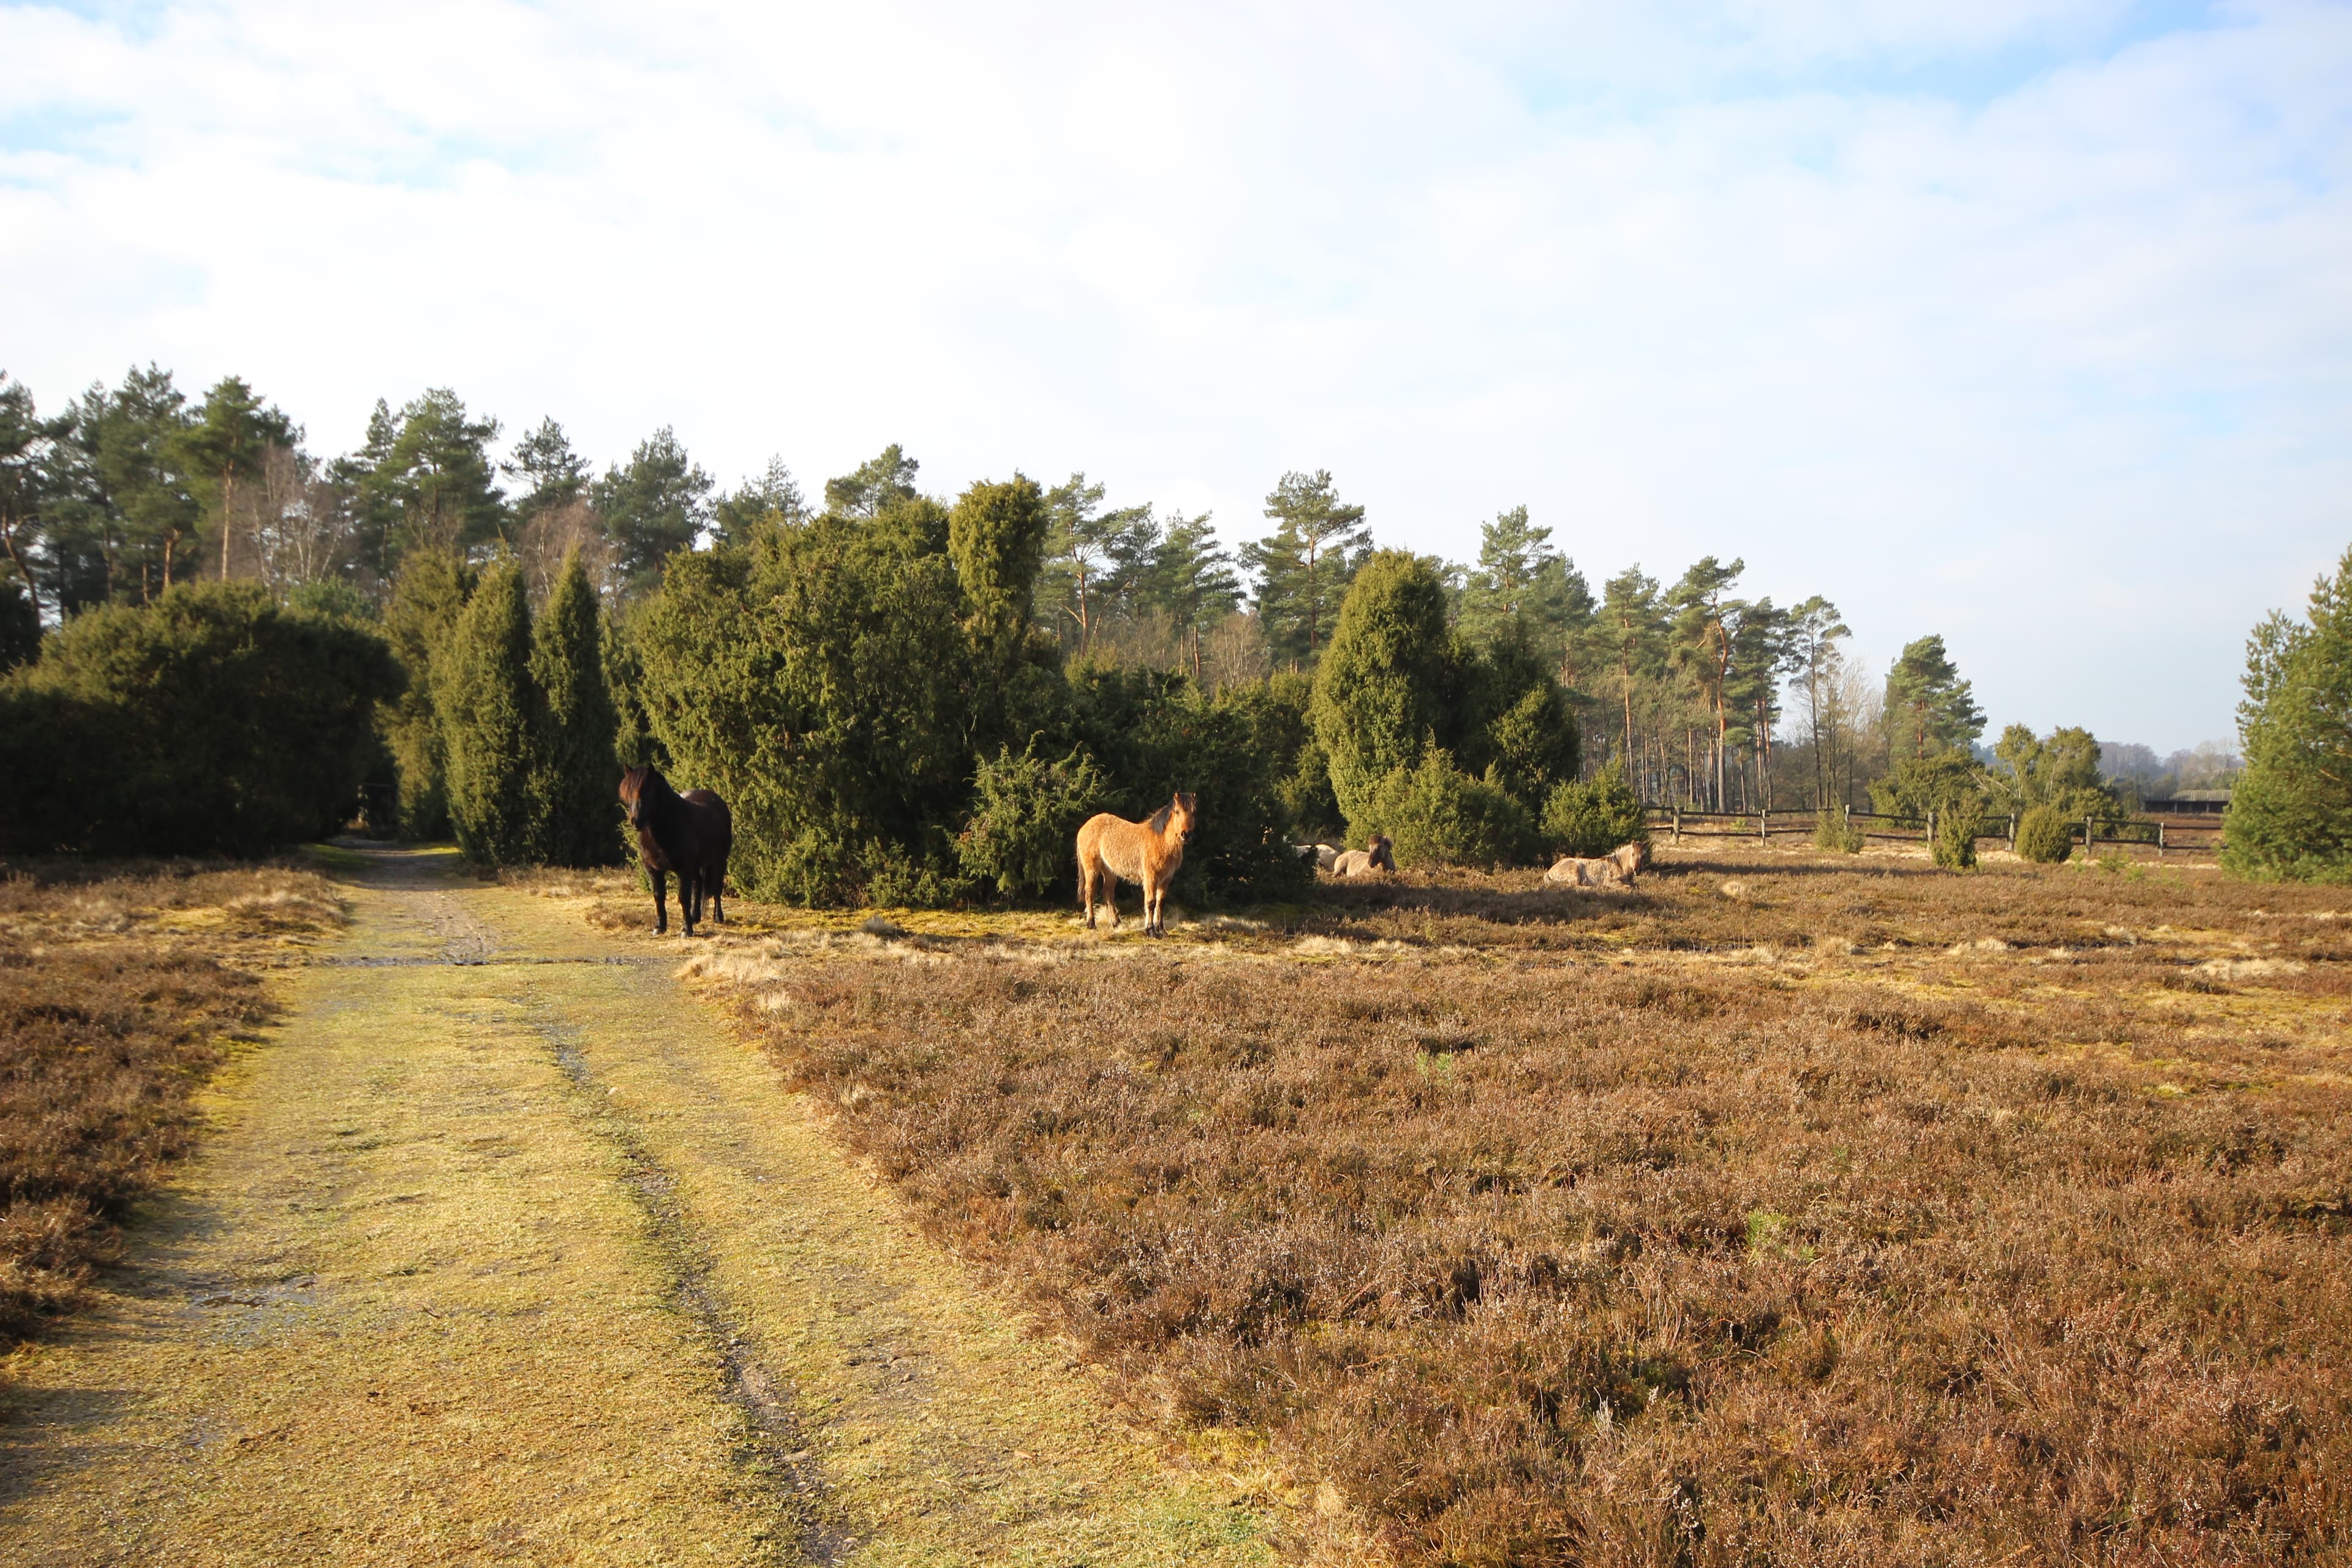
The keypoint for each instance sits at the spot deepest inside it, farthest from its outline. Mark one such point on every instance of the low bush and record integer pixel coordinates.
(1436, 813)
(1955, 845)
(1024, 825)
(1595, 816)
(2044, 836)
(1835, 832)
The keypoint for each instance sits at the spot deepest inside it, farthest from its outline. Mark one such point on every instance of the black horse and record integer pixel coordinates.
(690, 834)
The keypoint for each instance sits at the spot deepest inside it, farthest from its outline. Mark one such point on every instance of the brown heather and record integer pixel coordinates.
(115, 1001)
(1789, 1211)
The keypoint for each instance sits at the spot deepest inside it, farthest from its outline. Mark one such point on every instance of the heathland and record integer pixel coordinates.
(1792, 1209)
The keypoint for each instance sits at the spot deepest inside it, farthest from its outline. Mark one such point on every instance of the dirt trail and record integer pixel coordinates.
(503, 1249)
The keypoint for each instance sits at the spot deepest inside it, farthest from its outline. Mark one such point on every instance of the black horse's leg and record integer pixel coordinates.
(661, 901)
(718, 875)
(689, 897)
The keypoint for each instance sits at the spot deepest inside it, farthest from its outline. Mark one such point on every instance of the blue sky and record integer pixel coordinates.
(2030, 325)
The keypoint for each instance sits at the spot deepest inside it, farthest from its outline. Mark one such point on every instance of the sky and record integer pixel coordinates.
(2030, 325)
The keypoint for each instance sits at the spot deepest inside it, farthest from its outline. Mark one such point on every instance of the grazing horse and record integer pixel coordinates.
(1614, 869)
(1112, 849)
(1377, 855)
(690, 834)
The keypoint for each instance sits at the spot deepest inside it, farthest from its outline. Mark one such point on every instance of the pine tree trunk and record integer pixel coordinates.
(229, 517)
(8, 537)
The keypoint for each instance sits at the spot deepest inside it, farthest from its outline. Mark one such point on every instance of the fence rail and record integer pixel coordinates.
(2161, 833)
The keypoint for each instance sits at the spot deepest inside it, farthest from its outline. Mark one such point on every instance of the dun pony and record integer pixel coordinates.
(690, 834)
(1377, 855)
(1112, 849)
(1614, 869)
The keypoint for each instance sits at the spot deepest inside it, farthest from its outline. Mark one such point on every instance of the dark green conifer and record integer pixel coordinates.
(1381, 692)
(490, 723)
(2291, 816)
(575, 793)
(427, 597)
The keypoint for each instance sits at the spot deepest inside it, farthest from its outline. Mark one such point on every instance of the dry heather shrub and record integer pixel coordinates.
(99, 1052)
(109, 1017)
(1616, 1265)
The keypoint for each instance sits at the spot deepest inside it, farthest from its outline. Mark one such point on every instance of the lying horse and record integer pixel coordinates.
(1112, 849)
(1377, 855)
(1614, 869)
(690, 834)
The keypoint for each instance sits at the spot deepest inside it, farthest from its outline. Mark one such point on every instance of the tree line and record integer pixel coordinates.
(861, 677)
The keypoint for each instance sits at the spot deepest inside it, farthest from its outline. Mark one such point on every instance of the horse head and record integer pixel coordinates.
(1384, 853)
(640, 788)
(1184, 815)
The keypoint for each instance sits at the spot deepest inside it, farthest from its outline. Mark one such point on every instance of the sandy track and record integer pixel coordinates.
(504, 1249)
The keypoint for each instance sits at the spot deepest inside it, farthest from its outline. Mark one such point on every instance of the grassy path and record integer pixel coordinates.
(505, 1250)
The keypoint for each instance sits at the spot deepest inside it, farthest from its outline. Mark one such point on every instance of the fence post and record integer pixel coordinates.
(1678, 824)
(2160, 841)
(2090, 836)
(1931, 833)
(2012, 832)
(1764, 826)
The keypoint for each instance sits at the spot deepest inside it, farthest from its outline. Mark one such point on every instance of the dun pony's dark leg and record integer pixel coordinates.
(661, 900)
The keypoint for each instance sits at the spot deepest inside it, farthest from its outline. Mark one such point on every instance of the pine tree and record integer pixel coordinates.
(446, 478)
(1193, 579)
(544, 459)
(655, 506)
(1629, 642)
(1087, 551)
(490, 723)
(574, 796)
(772, 500)
(2290, 813)
(1305, 566)
(877, 485)
(1929, 706)
(226, 447)
(1522, 583)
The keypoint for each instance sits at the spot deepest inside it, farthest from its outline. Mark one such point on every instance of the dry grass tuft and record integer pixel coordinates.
(1873, 1214)
(115, 1001)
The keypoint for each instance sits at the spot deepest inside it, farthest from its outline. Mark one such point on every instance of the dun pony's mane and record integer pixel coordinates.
(1158, 821)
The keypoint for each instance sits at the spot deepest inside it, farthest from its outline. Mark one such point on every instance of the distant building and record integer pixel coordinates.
(2189, 802)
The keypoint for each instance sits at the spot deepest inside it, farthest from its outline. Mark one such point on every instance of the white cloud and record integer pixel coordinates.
(2058, 367)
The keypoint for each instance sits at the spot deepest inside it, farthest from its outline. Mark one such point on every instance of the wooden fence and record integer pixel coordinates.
(2164, 835)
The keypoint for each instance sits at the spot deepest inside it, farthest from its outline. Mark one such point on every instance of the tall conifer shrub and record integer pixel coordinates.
(574, 798)
(1381, 692)
(427, 597)
(489, 708)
